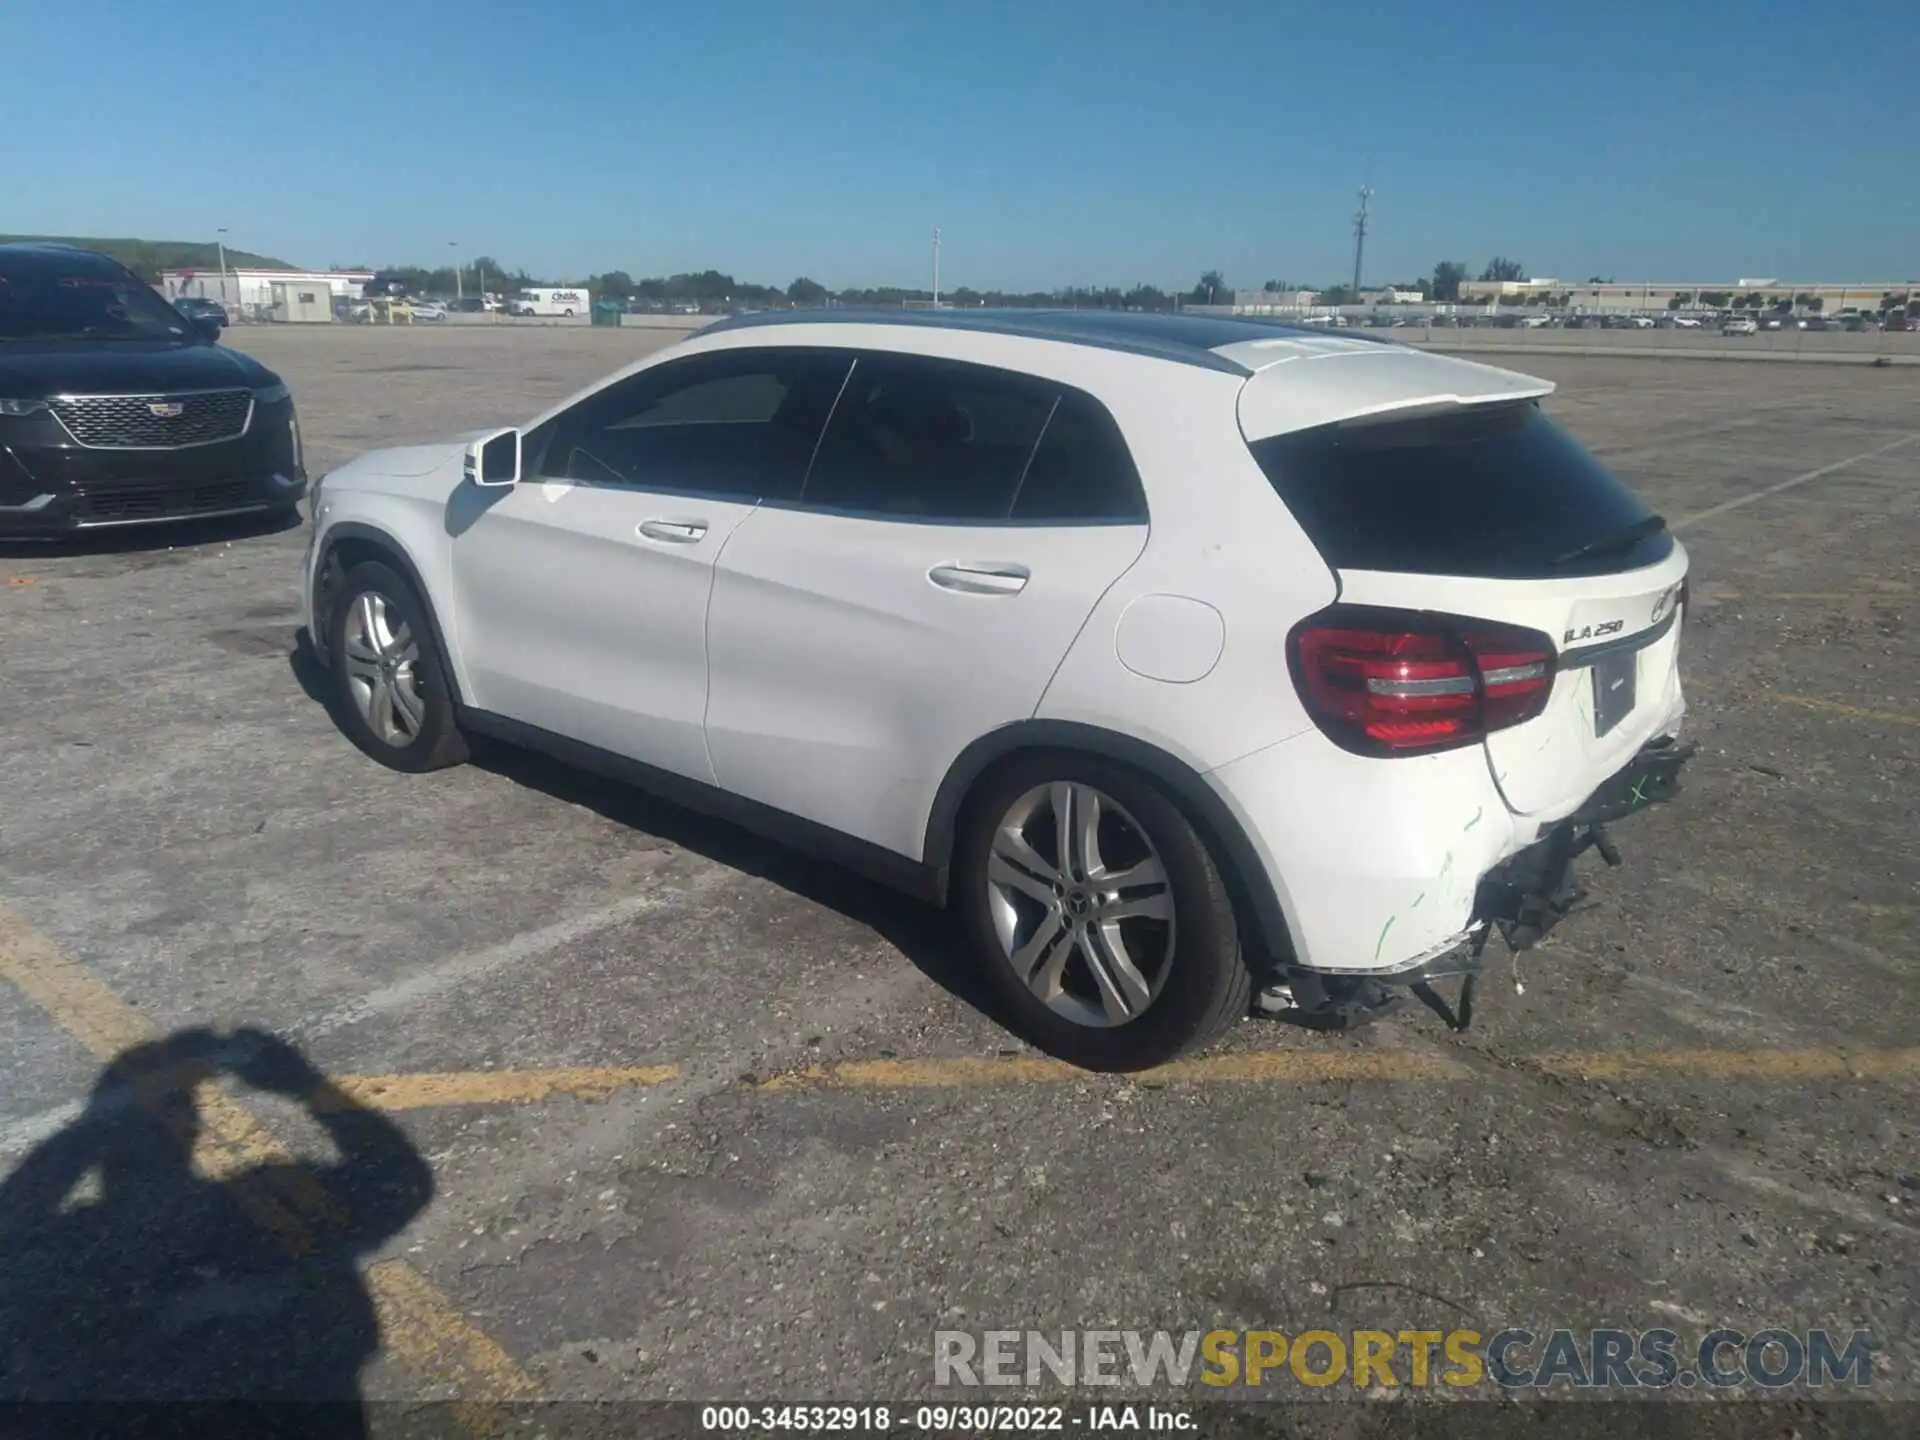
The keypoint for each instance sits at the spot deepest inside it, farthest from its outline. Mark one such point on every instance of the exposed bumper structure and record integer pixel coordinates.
(1521, 899)
(1528, 894)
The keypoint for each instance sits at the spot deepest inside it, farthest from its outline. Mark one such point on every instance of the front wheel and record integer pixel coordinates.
(1098, 913)
(394, 699)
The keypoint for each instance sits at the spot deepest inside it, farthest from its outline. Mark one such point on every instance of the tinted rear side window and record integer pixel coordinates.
(1501, 493)
(928, 439)
(1082, 470)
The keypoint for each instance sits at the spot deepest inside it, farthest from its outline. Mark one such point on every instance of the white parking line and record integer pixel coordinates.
(457, 970)
(19, 1136)
(1761, 494)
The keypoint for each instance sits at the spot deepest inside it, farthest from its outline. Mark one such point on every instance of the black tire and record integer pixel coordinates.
(436, 742)
(1207, 985)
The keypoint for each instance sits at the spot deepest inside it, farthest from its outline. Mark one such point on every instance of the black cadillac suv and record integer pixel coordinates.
(116, 409)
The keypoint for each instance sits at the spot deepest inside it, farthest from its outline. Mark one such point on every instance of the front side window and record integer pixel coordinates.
(735, 424)
(921, 438)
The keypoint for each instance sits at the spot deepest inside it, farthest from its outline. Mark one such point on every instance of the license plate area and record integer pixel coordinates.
(1615, 679)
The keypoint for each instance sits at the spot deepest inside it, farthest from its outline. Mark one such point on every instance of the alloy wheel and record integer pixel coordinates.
(1081, 904)
(383, 669)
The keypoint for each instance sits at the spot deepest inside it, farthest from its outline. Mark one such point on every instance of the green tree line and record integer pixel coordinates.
(147, 258)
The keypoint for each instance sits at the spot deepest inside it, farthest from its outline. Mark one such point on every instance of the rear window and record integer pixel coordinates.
(1502, 492)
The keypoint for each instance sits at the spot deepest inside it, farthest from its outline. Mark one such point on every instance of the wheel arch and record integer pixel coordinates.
(1253, 894)
(351, 542)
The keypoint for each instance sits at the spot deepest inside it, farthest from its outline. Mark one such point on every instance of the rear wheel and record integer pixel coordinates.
(1098, 913)
(394, 699)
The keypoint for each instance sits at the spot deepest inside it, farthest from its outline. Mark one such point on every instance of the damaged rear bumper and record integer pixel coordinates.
(1529, 893)
(1521, 899)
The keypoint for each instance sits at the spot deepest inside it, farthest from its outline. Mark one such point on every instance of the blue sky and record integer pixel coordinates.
(1053, 141)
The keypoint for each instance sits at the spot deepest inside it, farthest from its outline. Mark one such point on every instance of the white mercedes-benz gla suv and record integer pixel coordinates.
(1188, 659)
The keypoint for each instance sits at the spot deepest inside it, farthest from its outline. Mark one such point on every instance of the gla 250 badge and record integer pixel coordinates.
(1663, 606)
(1593, 632)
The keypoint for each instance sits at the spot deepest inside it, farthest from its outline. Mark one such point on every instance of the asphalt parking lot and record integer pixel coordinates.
(650, 1108)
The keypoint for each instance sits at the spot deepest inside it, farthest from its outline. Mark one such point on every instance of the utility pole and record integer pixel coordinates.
(458, 293)
(1360, 238)
(221, 244)
(936, 267)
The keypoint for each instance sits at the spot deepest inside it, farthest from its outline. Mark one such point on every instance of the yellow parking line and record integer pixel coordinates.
(1890, 717)
(1265, 1065)
(1310, 1066)
(487, 1087)
(416, 1321)
(1734, 1064)
(1320, 1067)
(424, 1331)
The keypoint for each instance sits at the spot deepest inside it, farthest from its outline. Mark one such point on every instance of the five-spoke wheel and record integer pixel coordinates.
(1081, 903)
(1097, 911)
(381, 659)
(397, 705)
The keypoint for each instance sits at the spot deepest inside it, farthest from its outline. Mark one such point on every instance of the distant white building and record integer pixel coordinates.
(254, 288)
(1257, 302)
(1633, 295)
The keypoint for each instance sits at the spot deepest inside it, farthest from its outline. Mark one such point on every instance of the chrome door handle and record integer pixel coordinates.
(674, 532)
(971, 578)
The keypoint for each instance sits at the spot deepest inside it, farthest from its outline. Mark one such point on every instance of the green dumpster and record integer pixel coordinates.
(607, 312)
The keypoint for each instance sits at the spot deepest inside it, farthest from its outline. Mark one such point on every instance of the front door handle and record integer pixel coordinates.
(981, 578)
(674, 532)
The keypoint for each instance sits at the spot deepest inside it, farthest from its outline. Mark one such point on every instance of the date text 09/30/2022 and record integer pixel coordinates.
(962, 1419)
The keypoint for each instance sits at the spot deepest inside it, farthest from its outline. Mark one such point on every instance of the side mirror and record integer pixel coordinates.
(495, 461)
(207, 329)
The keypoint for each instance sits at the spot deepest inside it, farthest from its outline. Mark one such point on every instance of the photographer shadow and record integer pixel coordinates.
(133, 1283)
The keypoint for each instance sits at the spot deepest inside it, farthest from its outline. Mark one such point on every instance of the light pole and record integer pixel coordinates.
(936, 267)
(221, 246)
(454, 245)
(1360, 238)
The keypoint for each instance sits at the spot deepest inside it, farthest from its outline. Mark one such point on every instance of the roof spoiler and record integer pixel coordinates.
(1372, 385)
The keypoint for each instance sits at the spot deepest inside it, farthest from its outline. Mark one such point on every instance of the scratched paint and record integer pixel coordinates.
(1383, 937)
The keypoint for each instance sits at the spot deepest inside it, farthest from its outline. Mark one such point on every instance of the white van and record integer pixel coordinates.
(549, 301)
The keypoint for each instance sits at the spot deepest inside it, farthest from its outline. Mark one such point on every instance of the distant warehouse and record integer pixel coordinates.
(1867, 296)
(254, 290)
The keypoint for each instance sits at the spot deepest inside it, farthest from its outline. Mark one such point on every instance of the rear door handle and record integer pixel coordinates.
(674, 532)
(981, 578)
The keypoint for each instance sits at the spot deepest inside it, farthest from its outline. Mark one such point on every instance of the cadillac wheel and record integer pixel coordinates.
(395, 703)
(1098, 913)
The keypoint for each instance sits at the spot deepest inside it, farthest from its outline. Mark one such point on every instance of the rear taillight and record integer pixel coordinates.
(1394, 682)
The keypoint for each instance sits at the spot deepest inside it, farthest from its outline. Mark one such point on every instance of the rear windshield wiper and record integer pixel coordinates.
(1624, 539)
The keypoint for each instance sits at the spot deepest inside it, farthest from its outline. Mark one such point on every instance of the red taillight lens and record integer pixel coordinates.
(1393, 682)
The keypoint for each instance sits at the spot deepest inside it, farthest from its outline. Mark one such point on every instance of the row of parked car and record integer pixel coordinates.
(1857, 324)
(1735, 324)
(406, 308)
